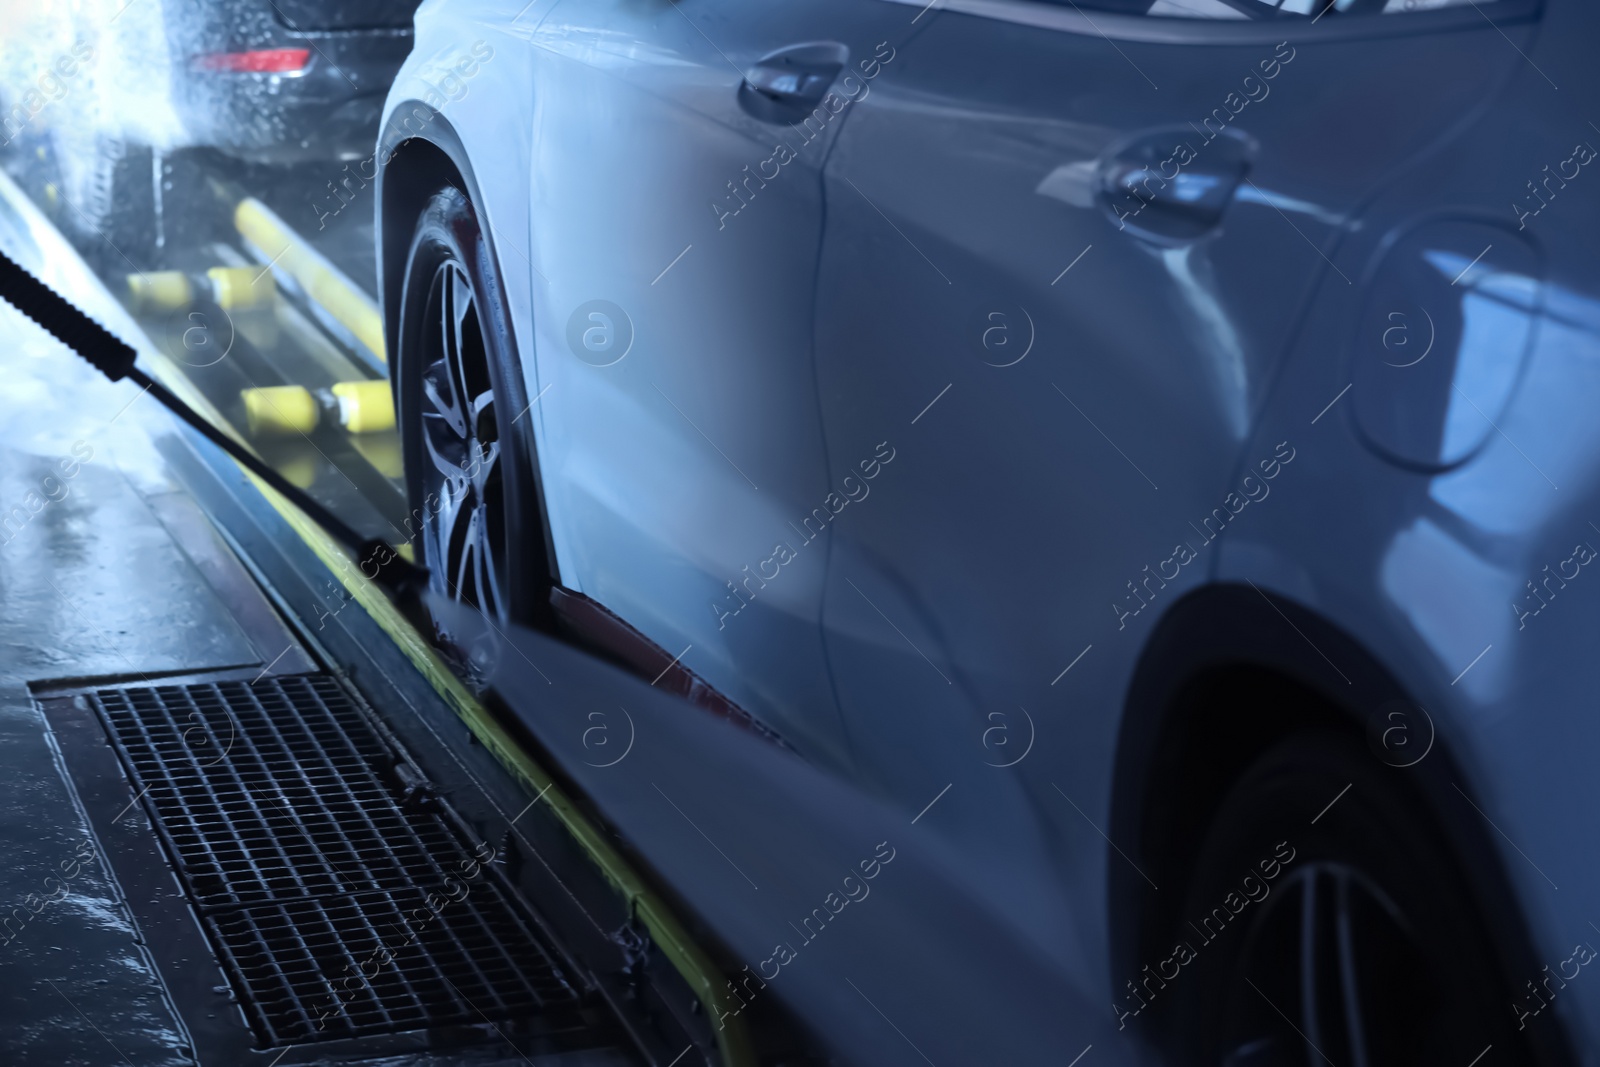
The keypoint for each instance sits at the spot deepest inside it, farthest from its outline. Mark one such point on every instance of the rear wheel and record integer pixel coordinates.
(1363, 948)
(469, 464)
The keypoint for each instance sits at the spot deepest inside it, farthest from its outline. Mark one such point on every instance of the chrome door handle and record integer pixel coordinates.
(786, 85)
(1147, 190)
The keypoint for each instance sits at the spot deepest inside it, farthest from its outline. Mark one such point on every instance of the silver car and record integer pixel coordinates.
(1150, 444)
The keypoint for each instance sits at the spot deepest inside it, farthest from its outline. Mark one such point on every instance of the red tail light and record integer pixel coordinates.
(261, 61)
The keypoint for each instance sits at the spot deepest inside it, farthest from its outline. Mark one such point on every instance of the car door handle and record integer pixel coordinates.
(1146, 188)
(786, 85)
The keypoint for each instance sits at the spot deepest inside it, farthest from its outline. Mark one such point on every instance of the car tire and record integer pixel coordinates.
(1368, 912)
(470, 476)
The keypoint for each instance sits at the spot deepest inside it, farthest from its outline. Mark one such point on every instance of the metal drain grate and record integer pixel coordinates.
(281, 810)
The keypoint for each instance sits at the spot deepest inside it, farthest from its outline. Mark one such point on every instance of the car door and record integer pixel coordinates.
(676, 222)
(1065, 248)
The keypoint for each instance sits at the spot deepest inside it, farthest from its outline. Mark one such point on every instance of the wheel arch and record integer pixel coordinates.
(1227, 673)
(421, 153)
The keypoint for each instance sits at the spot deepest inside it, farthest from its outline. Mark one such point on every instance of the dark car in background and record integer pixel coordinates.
(158, 86)
(278, 81)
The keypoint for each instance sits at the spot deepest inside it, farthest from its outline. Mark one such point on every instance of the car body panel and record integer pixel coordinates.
(711, 451)
(1079, 450)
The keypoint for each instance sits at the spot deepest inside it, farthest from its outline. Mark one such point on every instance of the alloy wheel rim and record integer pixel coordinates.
(1324, 970)
(463, 487)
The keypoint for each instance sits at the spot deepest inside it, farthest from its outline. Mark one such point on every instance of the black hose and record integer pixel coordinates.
(110, 354)
(114, 358)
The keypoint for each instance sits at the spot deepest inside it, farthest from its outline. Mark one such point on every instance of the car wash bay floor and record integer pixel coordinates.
(110, 573)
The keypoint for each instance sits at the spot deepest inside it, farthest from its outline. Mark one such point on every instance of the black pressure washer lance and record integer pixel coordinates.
(114, 358)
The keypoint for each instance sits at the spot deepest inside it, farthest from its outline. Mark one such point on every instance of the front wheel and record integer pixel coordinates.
(469, 464)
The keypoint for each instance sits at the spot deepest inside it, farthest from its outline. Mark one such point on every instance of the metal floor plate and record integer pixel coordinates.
(342, 899)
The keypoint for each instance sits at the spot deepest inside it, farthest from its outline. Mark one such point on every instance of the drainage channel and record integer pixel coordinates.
(342, 898)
